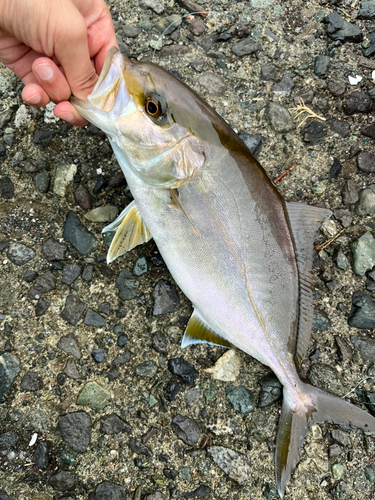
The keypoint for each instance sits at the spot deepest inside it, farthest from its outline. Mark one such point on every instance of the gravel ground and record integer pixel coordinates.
(96, 398)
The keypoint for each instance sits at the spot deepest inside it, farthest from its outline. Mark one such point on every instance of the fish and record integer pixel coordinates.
(239, 252)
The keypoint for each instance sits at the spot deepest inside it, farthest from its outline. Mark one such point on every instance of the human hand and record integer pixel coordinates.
(57, 48)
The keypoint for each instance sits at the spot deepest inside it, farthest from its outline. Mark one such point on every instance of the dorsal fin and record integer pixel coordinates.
(305, 222)
(130, 232)
(198, 332)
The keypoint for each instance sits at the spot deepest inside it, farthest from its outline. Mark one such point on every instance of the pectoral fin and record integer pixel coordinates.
(198, 332)
(130, 232)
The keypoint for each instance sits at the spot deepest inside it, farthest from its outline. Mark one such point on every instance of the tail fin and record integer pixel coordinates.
(294, 426)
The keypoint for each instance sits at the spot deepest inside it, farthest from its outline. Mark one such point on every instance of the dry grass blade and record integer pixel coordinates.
(302, 108)
(328, 242)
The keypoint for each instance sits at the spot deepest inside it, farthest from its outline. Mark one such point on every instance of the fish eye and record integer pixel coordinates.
(153, 108)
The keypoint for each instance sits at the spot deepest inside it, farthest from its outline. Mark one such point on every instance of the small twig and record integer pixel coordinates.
(302, 108)
(359, 383)
(283, 174)
(328, 242)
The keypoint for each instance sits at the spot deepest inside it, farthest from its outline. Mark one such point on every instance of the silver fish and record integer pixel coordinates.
(238, 251)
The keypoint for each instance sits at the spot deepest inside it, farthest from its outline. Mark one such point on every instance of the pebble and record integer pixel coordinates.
(370, 281)
(268, 73)
(94, 396)
(240, 399)
(271, 390)
(200, 492)
(42, 182)
(64, 175)
(63, 481)
(321, 65)
(321, 322)
(340, 259)
(122, 340)
(98, 355)
(234, 464)
(43, 137)
(263, 424)
(365, 345)
(166, 298)
(183, 369)
(171, 390)
(366, 162)
(334, 451)
(339, 127)
(8, 440)
(227, 367)
(75, 429)
(337, 471)
(2, 149)
(70, 273)
(307, 97)
(362, 314)
(284, 87)
(73, 309)
(105, 213)
(335, 170)
(9, 369)
(366, 203)
(192, 395)
(186, 429)
(87, 273)
(350, 193)
(344, 216)
(197, 27)
(184, 473)
(253, 142)
(270, 492)
(141, 265)
(155, 496)
(94, 319)
(340, 30)
(71, 370)
(41, 455)
(340, 436)
(41, 307)
(363, 251)
(370, 473)
(122, 359)
(69, 344)
(5, 116)
(78, 236)
(6, 188)
(31, 382)
(358, 102)
(20, 254)
(221, 425)
(336, 88)
(108, 491)
(130, 31)
(367, 11)
(369, 131)
(212, 83)
(147, 369)
(113, 424)
(52, 250)
(197, 65)
(82, 197)
(314, 131)
(105, 308)
(127, 285)
(279, 117)
(139, 448)
(325, 377)
(245, 47)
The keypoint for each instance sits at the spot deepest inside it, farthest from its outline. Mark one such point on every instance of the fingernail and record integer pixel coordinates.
(68, 117)
(34, 99)
(44, 71)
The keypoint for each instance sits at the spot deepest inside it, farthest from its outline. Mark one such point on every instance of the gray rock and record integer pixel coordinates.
(82, 197)
(271, 390)
(43, 137)
(345, 351)
(41, 307)
(366, 203)
(186, 429)
(314, 131)
(71, 370)
(141, 265)
(63, 481)
(325, 377)
(92, 318)
(73, 309)
(362, 314)
(3, 246)
(70, 273)
(3, 494)
(284, 87)
(108, 491)
(212, 83)
(201, 491)
(307, 97)
(20, 254)
(41, 455)
(367, 11)
(52, 250)
(268, 73)
(340, 436)
(339, 127)
(363, 251)
(253, 142)
(340, 30)
(234, 464)
(9, 369)
(240, 399)
(112, 424)
(147, 369)
(8, 139)
(122, 359)
(130, 31)
(94, 396)
(64, 175)
(321, 65)
(334, 451)
(321, 322)
(69, 344)
(78, 236)
(358, 102)
(105, 213)
(340, 258)
(197, 27)
(245, 47)
(8, 440)
(5, 117)
(192, 395)
(183, 369)
(75, 429)
(87, 273)
(366, 162)
(336, 88)
(155, 496)
(43, 284)
(168, 24)
(6, 188)
(344, 216)
(279, 117)
(166, 298)
(350, 193)
(98, 355)
(105, 308)
(369, 131)
(42, 182)
(159, 343)
(370, 473)
(127, 285)
(31, 382)
(140, 448)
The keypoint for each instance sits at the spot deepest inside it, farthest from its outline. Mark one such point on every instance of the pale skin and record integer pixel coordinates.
(57, 48)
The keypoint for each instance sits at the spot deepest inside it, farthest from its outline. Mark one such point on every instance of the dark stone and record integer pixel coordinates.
(368, 399)
(30, 276)
(268, 73)
(314, 131)
(141, 265)
(146, 369)
(362, 314)
(183, 369)
(3, 494)
(335, 170)
(369, 131)
(350, 193)
(20, 254)
(6, 188)
(70, 273)
(323, 105)
(340, 30)
(367, 10)
(122, 359)
(245, 47)
(108, 491)
(270, 492)
(240, 399)
(63, 481)
(69, 344)
(8, 440)
(130, 31)
(41, 455)
(201, 491)
(307, 97)
(366, 162)
(42, 181)
(159, 342)
(207, 42)
(370, 473)
(87, 273)
(73, 309)
(105, 308)
(75, 429)
(31, 382)
(139, 448)
(345, 351)
(122, 340)
(271, 390)
(9, 369)
(321, 65)
(279, 117)
(339, 127)
(92, 318)
(43, 284)
(166, 298)
(253, 142)
(117, 180)
(186, 429)
(83, 198)
(325, 377)
(98, 355)
(285, 86)
(170, 473)
(112, 424)
(197, 27)
(358, 102)
(321, 322)
(53, 250)
(78, 236)
(370, 281)
(336, 88)
(5, 117)
(127, 285)
(43, 137)
(171, 390)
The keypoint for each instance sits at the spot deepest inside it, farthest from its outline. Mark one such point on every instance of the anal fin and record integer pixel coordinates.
(198, 332)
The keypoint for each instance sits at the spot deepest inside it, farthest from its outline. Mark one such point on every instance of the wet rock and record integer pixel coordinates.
(240, 399)
(64, 176)
(200, 492)
(183, 369)
(366, 203)
(94, 396)
(139, 448)
(105, 213)
(197, 27)
(43, 284)
(358, 102)
(350, 193)
(245, 47)
(340, 30)
(336, 88)
(226, 368)
(41, 307)
(52, 250)
(279, 117)
(186, 429)
(20, 254)
(41, 455)
(284, 87)
(109, 491)
(31, 382)
(362, 314)
(325, 377)
(127, 285)
(94, 319)
(366, 162)
(166, 298)
(70, 273)
(141, 265)
(367, 11)
(71, 370)
(147, 369)
(73, 309)
(253, 142)
(69, 344)
(339, 127)
(6, 188)
(82, 197)
(221, 425)
(271, 390)
(363, 251)
(321, 322)
(43, 137)
(98, 355)
(9, 369)
(234, 464)
(130, 31)
(42, 182)
(112, 424)
(75, 429)
(268, 73)
(63, 481)
(78, 236)
(212, 83)
(321, 65)
(314, 131)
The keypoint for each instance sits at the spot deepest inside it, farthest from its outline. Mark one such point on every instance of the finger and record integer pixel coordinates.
(34, 95)
(51, 79)
(68, 113)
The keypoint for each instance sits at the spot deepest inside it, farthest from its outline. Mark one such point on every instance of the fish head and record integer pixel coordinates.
(155, 123)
